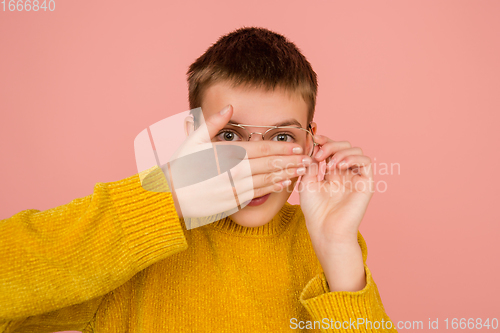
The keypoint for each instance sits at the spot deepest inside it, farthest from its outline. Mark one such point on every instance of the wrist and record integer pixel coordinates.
(344, 268)
(355, 281)
(168, 176)
(338, 250)
(346, 238)
(336, 241)
(176, 204)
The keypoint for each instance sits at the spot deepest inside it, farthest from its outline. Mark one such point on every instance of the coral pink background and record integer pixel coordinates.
(410, 82)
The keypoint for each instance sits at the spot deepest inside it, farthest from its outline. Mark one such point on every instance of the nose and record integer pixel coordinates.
(251, 136)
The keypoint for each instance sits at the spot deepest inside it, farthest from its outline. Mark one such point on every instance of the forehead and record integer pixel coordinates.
(255, 106)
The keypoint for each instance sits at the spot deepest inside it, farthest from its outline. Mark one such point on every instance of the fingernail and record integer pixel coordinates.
(297, 150)
(301, 171)
(306, 161)
(224, 111)
(342, 163)
(319, 153)
(286, 182)
(331, 163)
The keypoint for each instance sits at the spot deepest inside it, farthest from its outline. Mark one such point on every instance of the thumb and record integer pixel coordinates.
(215, 123)
(311, 175)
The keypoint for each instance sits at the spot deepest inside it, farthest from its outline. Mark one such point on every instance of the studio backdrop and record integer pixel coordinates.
(415, 84)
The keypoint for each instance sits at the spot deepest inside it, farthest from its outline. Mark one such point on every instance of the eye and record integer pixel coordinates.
(284, 137)
(228, 135)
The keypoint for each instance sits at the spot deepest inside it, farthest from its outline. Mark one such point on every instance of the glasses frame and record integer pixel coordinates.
(270, 128)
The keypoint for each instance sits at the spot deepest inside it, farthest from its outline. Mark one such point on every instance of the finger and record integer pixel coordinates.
(360, 164)
(276, 163)
(264, 180)
(330, 148)
(278, 187)
(256, 149)
(339, 155)
(321, 139)
(213, 124)
(311, 174)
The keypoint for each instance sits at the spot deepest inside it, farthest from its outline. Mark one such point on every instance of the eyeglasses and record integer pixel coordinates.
(295, 134)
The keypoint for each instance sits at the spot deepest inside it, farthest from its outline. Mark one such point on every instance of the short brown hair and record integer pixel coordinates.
(255, 57)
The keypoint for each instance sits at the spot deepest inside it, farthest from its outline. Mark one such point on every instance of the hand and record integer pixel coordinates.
(334, 207)
(262, 168)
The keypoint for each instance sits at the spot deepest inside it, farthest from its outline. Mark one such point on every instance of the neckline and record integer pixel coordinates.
(276, 226)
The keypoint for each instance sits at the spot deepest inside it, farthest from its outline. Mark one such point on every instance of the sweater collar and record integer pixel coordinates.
(274, 227)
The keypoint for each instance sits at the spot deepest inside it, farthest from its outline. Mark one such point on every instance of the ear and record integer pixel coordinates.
(188, 125)
(314, 127)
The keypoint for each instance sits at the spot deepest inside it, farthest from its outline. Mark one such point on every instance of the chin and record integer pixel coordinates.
(256, 216)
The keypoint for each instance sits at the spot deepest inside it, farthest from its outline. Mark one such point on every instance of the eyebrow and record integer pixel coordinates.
(287, 122)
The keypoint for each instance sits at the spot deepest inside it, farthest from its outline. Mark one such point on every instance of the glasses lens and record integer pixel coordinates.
(292, 134)
(231, 133)
(280, 134)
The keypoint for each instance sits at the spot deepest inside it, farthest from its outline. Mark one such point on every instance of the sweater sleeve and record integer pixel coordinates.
(58, 264)
(343, 311)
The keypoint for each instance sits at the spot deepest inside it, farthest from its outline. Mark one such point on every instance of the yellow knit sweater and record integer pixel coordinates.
(120, 260)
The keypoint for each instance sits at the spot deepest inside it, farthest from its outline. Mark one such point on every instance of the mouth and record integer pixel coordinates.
(259, 201)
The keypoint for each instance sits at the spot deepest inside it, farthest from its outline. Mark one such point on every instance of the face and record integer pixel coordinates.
(264, 108)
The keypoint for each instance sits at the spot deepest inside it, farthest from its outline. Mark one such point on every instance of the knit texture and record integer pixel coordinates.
(120, 260)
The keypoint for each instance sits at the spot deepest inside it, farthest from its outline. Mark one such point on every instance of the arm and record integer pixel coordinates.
(344, 270)
(64, 260)
(334, 207)
(353, 309)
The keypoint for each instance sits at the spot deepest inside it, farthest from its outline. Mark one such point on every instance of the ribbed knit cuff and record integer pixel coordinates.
(151, 225)
(342, 306)
(318, 297)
